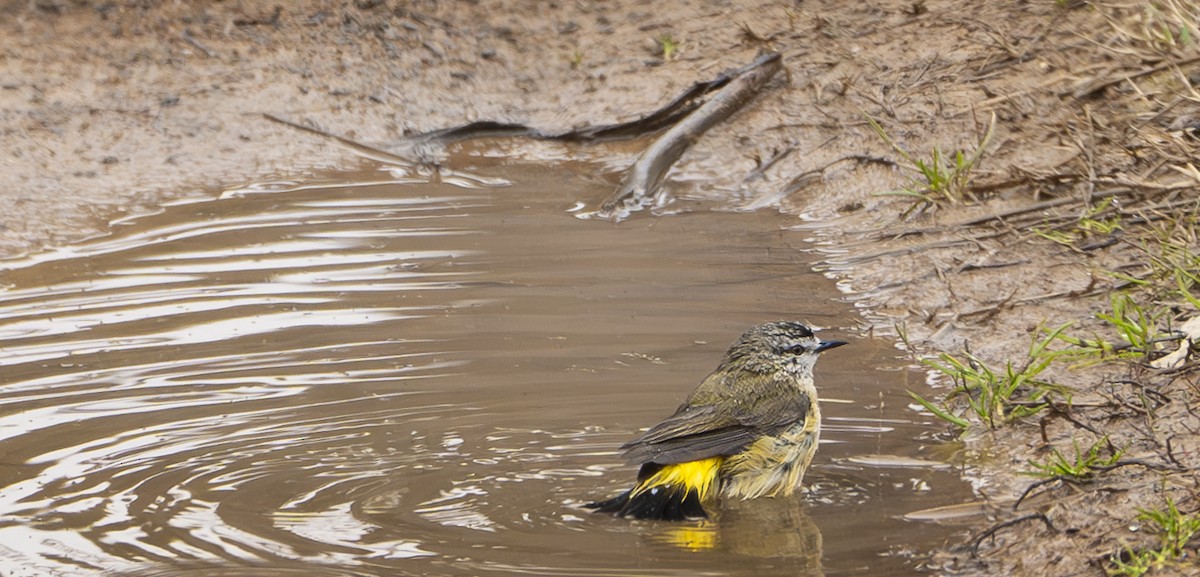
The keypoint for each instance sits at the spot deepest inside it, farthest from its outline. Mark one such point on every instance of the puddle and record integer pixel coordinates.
(374, 375)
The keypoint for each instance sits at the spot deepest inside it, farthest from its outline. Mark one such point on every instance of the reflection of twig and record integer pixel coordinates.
(996, 528)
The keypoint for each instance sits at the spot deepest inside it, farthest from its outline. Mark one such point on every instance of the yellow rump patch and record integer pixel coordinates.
(694, 476)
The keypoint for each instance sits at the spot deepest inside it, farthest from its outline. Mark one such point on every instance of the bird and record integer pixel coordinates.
(749, 430)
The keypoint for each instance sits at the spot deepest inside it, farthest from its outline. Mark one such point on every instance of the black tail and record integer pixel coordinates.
(665, 502)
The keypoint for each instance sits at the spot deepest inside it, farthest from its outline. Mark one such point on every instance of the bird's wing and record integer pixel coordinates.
(692, 433)
(709, 425)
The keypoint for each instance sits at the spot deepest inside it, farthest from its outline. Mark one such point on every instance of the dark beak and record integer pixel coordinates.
(826, 345)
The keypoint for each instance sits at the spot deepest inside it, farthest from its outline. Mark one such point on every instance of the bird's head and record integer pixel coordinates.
(781, 344)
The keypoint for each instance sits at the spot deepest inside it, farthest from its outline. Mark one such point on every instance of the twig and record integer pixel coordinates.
(641, 184)
(1057, 409)
(1171, 454)
(1037, 298)
(1163, 400)
(676, 110)
(1035, 485)
(1089, 475)
(1128, 462)
(996, 528)
(919, 248)
(271, 20)
(1095, 86)
(186, 35)
(680, 107)
(366, 151)
(807, 178)
(766, 165)
(1001, 99)
(1001, 215)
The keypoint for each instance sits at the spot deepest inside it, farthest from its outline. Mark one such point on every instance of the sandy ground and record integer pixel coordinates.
(109, 108)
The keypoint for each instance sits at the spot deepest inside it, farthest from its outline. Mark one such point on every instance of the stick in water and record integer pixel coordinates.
(642, 183)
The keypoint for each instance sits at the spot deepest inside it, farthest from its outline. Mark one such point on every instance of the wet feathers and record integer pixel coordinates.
(748, 430)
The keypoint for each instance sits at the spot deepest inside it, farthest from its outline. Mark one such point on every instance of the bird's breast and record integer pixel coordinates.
(773, 465)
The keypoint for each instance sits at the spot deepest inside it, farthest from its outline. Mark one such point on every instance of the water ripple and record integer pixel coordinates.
(381, 374)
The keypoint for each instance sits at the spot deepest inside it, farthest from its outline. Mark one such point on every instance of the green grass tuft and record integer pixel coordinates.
(942, 177)
(1175, 531)
(668, 46)
(1081, 467)
(995, 397)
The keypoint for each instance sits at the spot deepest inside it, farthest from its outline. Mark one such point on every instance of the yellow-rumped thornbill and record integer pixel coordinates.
(749, 430)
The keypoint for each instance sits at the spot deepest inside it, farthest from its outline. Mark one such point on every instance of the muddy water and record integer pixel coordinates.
(372, 374)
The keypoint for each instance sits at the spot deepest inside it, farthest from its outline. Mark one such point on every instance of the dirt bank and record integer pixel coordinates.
(114, 107)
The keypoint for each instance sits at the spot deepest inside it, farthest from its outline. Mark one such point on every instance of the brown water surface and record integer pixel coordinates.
(375, 374)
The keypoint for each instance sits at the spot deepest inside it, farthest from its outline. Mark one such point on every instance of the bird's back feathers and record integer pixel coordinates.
(710, 424)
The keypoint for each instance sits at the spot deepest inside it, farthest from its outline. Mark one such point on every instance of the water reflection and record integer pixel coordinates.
(376, 374)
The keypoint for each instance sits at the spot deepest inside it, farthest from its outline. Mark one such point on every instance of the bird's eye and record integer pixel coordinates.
(795, 349)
